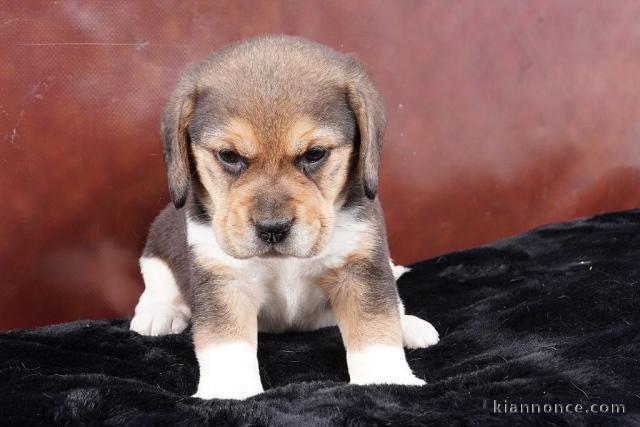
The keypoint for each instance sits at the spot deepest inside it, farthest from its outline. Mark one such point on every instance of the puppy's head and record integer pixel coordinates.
(272, 136)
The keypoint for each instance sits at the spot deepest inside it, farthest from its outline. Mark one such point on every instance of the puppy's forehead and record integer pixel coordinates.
(273, 122)
(272, 97)
(240, 135)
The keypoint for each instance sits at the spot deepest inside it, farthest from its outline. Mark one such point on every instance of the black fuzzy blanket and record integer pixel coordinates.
(549, 317)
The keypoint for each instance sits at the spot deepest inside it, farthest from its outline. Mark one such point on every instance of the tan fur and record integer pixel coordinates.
(272, 171)
(179, 300)
(240, 306)
(238, 135)
(348, 295)
(219, 269)
(305, 132)
(359, 327)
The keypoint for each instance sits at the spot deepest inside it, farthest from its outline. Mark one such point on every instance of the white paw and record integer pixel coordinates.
(380, 364)
(412, 380)
(160, 319)
(399, 380)
(229, 391)
(228, 371)
(418, 333)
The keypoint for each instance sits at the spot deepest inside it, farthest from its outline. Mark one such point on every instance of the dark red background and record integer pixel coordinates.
(502, 115)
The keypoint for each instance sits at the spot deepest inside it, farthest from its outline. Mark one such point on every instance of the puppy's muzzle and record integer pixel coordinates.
(273, 230)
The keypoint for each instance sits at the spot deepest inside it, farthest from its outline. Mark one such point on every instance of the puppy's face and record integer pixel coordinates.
(273, 192)
(267, 135)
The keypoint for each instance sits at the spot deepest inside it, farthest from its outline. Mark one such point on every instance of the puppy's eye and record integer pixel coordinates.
(229, 157)
(314, 155)
(231, 161)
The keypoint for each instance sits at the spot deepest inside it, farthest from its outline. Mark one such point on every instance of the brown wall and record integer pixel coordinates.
(502, 115)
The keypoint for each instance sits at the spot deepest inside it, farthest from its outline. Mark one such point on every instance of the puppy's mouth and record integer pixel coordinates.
(277, 238)
(296, 242)
(278, 251)
(299, 246)
(273, 253)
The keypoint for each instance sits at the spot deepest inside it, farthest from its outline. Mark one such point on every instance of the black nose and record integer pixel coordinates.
(273, 230)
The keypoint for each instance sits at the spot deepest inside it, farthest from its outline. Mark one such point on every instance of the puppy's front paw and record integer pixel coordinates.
(160, 319)
(380, 364)
(229, 391)
(228, 371)
(403, 379)
(418, 333)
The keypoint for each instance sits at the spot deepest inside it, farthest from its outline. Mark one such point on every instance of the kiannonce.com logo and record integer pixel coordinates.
(505, 407)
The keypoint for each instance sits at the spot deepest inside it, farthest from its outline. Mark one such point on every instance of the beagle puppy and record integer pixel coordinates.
(272, 149)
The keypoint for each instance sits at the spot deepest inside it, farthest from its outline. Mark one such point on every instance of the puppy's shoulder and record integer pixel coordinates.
(167, 234)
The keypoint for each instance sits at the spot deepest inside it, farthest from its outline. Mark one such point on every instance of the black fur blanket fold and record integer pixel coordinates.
(549, 318)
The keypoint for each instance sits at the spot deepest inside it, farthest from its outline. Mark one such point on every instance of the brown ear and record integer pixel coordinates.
(175, 141)
(367, 105)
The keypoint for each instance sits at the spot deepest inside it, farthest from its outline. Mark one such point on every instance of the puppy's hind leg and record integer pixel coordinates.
(161, 310)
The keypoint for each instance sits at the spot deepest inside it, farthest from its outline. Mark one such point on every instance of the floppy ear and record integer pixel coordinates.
(368, 108)
(175, 141)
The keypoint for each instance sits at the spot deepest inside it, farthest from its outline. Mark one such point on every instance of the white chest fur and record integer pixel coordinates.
(289, 298)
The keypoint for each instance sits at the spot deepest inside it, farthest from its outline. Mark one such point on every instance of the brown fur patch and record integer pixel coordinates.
(305, 132)
(238, 135)
(367, 105)
(363, 302)
(272, 184)
(218, 269)
(179, 300)
(240, 320)
(358, 325)
(173, 130)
